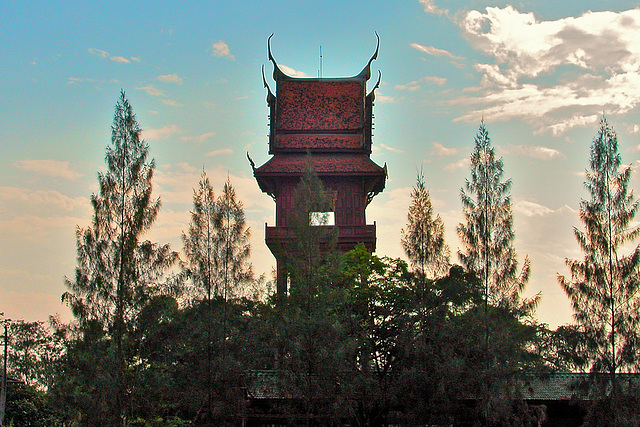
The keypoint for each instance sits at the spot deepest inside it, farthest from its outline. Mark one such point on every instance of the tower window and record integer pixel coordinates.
(322, 218)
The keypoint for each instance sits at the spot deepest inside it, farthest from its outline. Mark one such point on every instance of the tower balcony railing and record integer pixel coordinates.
(348, 236)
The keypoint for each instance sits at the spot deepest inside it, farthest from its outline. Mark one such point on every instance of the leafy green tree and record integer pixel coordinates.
(381, 320)
(30, 407)
(604, 287)
(487, 234)
(35, 353)
(423, 238)
(118, 271)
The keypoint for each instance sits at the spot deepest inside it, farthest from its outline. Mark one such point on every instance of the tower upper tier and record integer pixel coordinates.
(320, 115)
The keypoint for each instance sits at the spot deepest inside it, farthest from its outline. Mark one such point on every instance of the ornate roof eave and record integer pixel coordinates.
(270, 96)
(377, 85)
(364, 75)
(265, 186)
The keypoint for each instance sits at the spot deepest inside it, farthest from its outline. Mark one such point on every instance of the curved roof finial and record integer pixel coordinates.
(366, 71)
(277, 72)
(270, 95)
(251, 162)
(269, 50)
(377, 85)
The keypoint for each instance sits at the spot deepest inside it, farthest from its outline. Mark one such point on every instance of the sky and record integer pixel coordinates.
(540, 74)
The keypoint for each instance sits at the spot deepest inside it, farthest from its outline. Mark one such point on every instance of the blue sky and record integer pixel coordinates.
(541, 73)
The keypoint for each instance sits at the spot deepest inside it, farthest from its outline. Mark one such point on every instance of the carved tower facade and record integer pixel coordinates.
(329, 122)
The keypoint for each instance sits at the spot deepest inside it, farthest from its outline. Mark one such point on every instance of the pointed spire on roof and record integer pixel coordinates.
(278, 74)
(366, 71)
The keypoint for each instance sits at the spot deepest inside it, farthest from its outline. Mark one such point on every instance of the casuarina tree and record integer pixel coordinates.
(604, 287)
(201, 241)
(487, 233)
(118, 271)
(233, 266)
(423, 237)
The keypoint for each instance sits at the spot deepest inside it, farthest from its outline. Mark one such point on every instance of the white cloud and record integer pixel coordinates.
(74, 80)
(46, 199)
(292, 72)
(172, 103)
(161, 133)
(98, 52)
(530, 209)
(221, 49)
(384, 99)
(392, 149)
(557, 74)
(170, 78)
(105, 55)
(433, 51)
(411, 86)
(460, 164)
(199, 139)
(633, 128)
(48, 167)
(220, 152)
(120, 59)
(151, 90)
(440, 81)
(415, 85)
(534, 151)
(571, 122)
(34, 228)
(430, 7)
(492, 75)
(441, 150)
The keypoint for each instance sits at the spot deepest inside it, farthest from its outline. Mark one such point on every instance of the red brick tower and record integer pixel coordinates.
(330, 118)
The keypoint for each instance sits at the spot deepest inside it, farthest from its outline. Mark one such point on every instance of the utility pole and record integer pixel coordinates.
(3, 392)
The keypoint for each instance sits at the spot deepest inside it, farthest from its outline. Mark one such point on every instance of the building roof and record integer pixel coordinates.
(324, 164)
(554, 387)
(364, 75)
(312, 105)
(559, 386)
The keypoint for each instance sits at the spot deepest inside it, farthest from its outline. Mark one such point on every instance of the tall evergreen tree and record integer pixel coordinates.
(423, 238)
(487, 234)
(201, 247)
(604, 287)
(233, 266)
(217, 249)
(310, 340)
(217, 244)
(118, 271)
(201, 241)
(312, 242)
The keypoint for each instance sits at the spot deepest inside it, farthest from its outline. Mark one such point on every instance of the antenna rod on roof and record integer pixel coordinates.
(320, 71)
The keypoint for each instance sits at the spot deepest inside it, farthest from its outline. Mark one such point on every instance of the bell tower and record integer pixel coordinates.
(331, 119)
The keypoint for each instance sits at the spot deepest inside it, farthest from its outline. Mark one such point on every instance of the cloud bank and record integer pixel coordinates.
(555, 75)
(48, 167)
